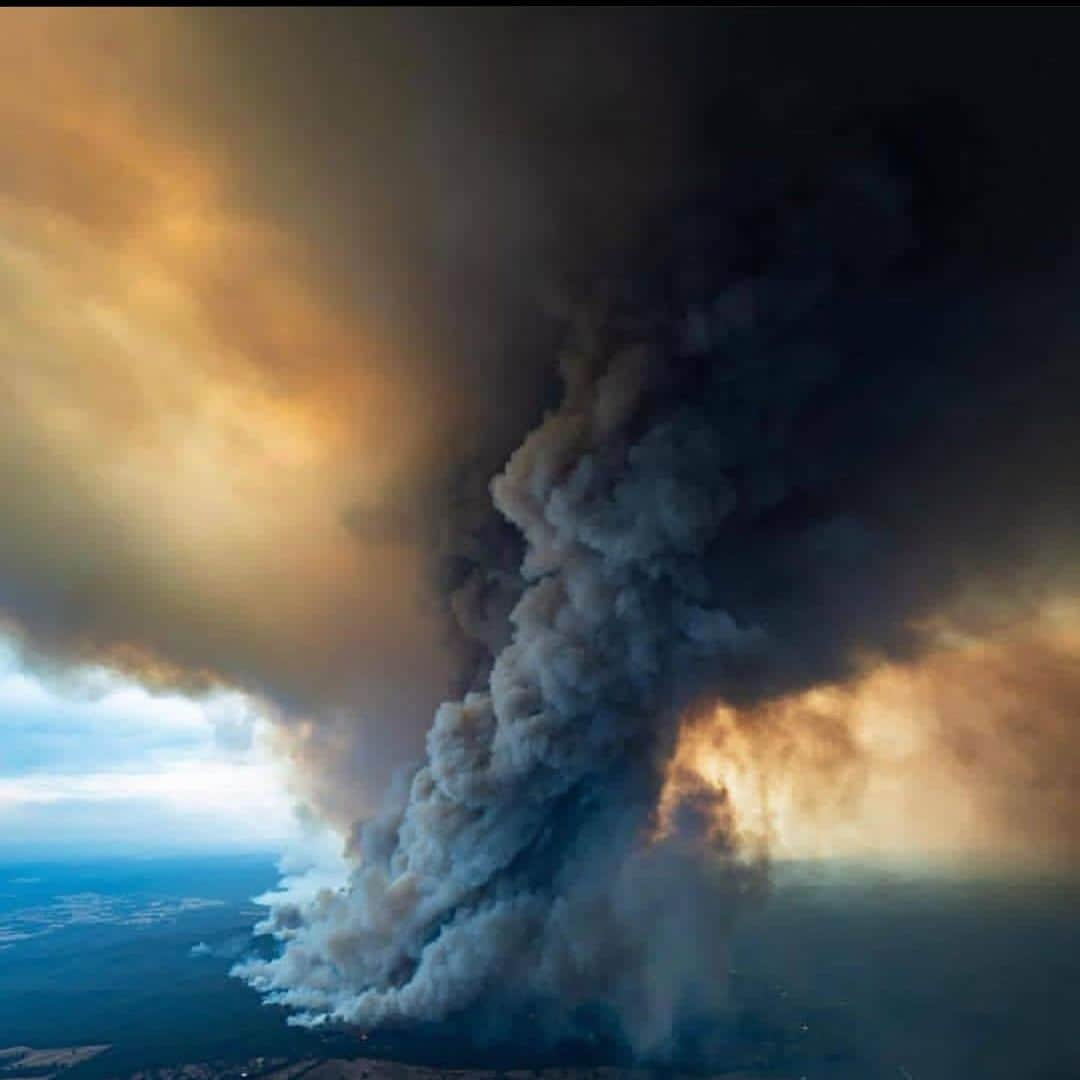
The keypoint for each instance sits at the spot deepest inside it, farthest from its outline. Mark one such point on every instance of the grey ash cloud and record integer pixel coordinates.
(741, 494)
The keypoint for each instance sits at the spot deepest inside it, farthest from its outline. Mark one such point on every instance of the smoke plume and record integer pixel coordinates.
(763, 323)
(719, 510)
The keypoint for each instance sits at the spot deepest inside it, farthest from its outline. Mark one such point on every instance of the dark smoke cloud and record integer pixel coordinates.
(720, 509)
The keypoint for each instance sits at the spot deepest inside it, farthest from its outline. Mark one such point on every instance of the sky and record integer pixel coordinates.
(96, 764)
(561, 453)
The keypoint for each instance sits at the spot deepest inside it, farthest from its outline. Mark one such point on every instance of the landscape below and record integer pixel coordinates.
(118, 970)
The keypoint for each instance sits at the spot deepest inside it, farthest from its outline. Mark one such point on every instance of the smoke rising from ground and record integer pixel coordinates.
(709, 515)
(303, 296)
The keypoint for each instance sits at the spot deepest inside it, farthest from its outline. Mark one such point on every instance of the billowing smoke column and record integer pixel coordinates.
(521, 852)
(703, 517)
